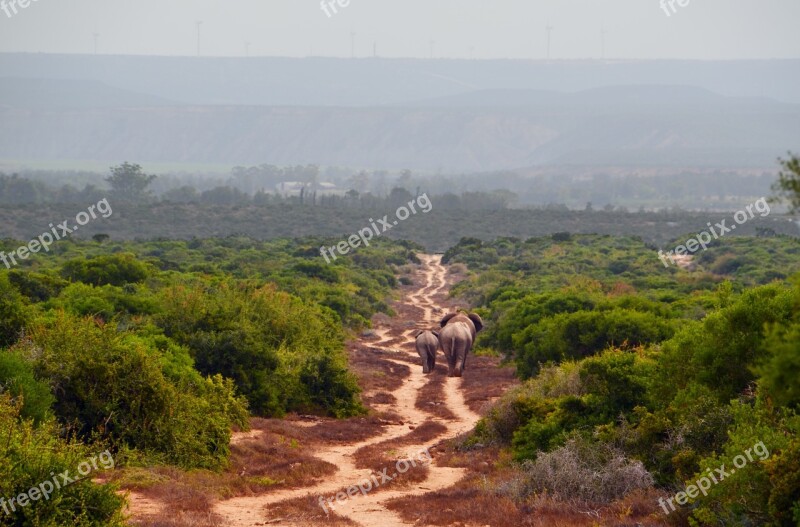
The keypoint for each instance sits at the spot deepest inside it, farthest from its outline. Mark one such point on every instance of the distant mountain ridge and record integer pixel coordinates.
(436, 118)
(376, 81)
(70, 93)
(629, 96)
(720, 133)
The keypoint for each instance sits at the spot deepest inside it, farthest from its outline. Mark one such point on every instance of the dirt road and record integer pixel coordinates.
(396, 343)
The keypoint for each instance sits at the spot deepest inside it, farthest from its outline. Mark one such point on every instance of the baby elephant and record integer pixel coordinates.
(427, 345)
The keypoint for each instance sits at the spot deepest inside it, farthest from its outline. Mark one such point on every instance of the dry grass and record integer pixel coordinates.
(638, 509)
(374, 372)
(180, 519)
(485, 380)
(277, 457)
(397, 339)
(479, 461)
(380, 398)
(483, 498)
(459, 505)
(387, 454)
(413, 475)
(430, 398)
(382, 454)
(474, 502)
(352, 430)
(304, 511)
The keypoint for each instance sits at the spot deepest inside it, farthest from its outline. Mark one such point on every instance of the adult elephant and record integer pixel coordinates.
(427, 346)
(457, 337)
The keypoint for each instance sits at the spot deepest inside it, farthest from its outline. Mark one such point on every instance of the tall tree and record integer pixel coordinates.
(129, 183)
(787, 188)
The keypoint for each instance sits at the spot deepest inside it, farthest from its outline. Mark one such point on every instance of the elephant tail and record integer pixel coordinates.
(448, 344)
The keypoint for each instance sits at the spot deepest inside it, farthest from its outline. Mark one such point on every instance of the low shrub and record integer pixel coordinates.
(583, 471)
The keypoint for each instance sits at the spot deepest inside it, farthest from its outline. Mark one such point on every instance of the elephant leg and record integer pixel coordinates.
(424, 361)
(451, 362)
(461, 354)
(446, 353)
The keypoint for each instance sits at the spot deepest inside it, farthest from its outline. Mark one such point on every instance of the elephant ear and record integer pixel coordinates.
(417, 333)
(476, 319)
(446, 319)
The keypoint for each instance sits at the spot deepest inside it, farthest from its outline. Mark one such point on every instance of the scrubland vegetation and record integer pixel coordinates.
(144, 208)
(157, 350)
(637, 375)
(636, 379)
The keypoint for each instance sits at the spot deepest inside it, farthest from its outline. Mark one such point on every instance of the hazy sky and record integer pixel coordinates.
(704, 29)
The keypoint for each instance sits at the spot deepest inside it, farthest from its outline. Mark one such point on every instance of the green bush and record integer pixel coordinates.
(13, 316)
(111, 385)
(29, 456)
(779, 374)
(783, 504)
(106, 301)
(37, 287)
(281, 353)
(114, 269)
(723, 351)
(542, 433)
(614, 381)
(584, 333)
(330, 385)
(766, 489)
(17, 379)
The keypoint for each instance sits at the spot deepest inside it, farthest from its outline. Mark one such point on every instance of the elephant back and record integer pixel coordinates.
(427, 338)
(472, 321)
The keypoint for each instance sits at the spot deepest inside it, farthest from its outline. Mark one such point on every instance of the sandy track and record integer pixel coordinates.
(368, 510)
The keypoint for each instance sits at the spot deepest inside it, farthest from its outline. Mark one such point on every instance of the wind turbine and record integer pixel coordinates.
(549, 30)
(603, 33)
(198, 24)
